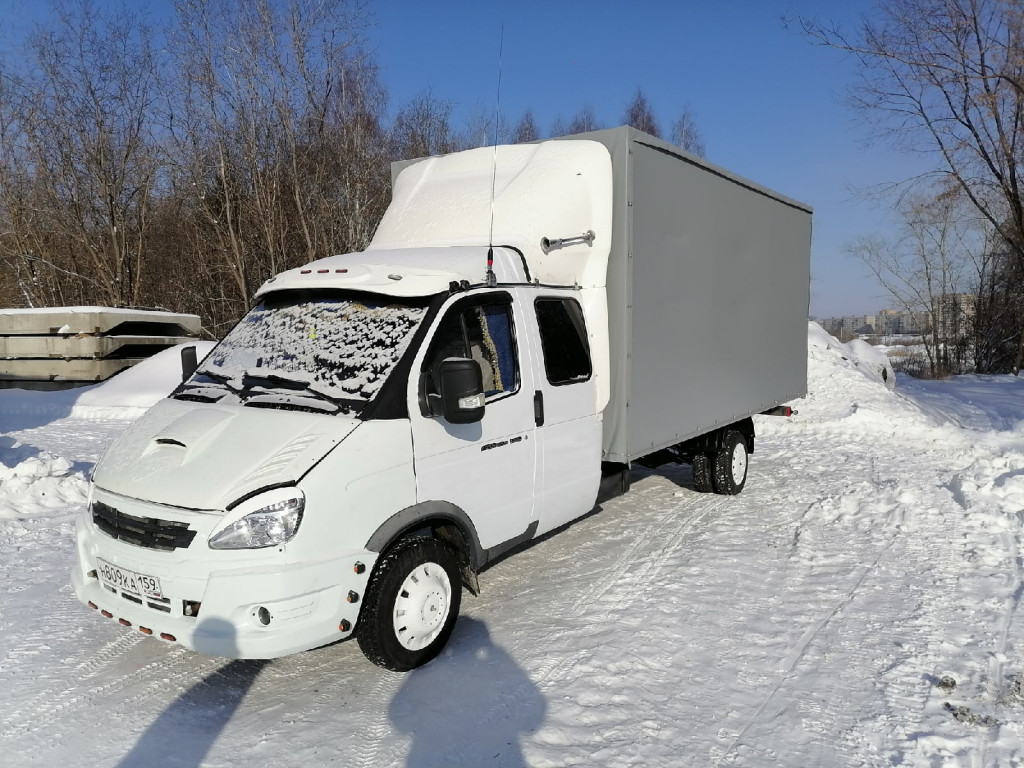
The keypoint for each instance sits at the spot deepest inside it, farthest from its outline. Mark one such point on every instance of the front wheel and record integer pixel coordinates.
(730, 464)
(411, 604)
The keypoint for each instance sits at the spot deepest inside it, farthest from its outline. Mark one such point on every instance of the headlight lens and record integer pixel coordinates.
(268, 526)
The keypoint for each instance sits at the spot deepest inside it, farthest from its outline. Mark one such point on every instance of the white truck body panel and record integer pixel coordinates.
(553, 190)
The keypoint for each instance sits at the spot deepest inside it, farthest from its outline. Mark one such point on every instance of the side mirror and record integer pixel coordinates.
(462, 390)
(189, 363)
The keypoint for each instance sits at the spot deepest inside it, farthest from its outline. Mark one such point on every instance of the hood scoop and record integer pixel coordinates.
(192, 431)
(169, 441)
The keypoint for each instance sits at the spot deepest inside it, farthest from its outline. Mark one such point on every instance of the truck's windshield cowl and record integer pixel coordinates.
(325, 351)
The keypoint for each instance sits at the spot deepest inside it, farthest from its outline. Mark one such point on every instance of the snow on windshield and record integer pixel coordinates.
(340, 346)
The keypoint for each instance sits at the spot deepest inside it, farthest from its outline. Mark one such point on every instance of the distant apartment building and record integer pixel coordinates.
(895, 322)
(950, 316)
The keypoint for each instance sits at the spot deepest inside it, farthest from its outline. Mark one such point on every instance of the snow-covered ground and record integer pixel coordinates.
(857, 605)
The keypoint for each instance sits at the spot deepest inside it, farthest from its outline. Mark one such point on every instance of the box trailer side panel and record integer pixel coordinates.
(717, 316)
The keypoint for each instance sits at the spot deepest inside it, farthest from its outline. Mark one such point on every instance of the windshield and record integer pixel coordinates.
(326, 352)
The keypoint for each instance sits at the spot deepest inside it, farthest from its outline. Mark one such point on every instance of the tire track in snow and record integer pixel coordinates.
(997, 678)
(670, 523)
(799, 650)
(49, 706)
(374, 724)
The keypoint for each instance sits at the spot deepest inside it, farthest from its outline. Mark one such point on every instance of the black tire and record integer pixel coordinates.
(729, 473)
(702, 473)
(382, 636)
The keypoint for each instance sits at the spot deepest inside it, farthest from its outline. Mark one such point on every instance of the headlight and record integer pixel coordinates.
(272, 524)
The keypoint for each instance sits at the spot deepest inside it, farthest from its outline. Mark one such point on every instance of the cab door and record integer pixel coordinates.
(487, 469)
(568, 425)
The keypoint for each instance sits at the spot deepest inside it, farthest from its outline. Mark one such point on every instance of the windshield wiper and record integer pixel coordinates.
(220, 378)
(297, 384)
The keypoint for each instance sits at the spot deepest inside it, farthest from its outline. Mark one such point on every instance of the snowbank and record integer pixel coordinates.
(871, 361)
(134, 390)
(34, 481)
(125, 396)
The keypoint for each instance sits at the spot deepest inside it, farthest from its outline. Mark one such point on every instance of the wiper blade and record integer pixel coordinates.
(278, 377)
(300, 383)
(220, 378)
(314, 405)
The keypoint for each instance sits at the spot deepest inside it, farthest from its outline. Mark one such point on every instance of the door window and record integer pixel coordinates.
(484, 333)
(563, 339)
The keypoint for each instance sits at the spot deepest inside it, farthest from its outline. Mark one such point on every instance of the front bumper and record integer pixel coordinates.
(305, 605)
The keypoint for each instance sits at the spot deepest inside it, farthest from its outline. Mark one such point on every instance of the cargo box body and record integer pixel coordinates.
(708, 294)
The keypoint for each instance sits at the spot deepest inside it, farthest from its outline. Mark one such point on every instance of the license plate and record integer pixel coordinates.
(129, 581)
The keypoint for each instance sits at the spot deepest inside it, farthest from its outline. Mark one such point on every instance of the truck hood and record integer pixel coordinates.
(206, 456)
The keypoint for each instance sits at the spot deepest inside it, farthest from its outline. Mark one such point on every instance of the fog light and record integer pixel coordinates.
(263, 615)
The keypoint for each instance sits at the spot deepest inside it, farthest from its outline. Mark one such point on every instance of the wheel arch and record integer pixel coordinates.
(444, 521)
(715, 440)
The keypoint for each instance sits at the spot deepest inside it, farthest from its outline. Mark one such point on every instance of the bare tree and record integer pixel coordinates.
(583, 121)
(80, 168)
(526, 129)
(926, 271)
(947, 77)
(686, 134)
(640, 115)
(423, 127)
(999, 306)
(479, 130)
(275, 132)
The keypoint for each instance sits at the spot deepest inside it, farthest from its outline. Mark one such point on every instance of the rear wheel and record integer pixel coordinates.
(411, 604)
(729, 473)
(702, 473)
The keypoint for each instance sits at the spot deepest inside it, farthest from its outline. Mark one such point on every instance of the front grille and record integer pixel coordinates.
(149, 532)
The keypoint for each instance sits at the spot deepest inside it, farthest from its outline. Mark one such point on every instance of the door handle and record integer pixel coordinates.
(538, 408)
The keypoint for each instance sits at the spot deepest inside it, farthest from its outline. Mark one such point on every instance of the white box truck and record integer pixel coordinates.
(527, 322)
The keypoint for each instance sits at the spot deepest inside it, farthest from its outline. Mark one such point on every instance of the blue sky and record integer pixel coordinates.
(768, 102)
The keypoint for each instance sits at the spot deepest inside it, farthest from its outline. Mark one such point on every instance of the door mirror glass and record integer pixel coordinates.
(462, 390)
(189, 362)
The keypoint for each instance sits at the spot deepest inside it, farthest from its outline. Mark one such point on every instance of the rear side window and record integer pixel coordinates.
(563, 339)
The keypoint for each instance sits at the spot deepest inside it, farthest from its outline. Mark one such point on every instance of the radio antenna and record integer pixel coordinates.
(491, 280)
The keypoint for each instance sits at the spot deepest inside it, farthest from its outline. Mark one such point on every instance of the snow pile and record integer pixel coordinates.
(32, 482)
(132, 391)
(869, 360)
(125, 396)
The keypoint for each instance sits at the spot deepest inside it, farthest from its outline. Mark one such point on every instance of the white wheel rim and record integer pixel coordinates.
(422, 606)
(739, 462)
